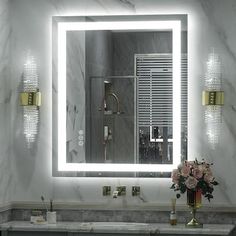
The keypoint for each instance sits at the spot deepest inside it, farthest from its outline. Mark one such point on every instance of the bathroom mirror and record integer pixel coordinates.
(119, 95)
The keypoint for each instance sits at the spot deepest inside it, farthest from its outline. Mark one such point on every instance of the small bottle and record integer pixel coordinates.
(173, 216)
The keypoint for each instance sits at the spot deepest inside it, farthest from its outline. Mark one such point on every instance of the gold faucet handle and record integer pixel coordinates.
(121, 190)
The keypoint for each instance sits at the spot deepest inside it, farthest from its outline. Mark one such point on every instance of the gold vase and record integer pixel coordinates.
(194, 201)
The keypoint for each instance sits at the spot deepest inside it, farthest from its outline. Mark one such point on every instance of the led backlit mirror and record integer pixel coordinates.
(119, 95)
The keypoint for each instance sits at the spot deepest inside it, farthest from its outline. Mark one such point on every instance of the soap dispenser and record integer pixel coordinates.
(173, 216)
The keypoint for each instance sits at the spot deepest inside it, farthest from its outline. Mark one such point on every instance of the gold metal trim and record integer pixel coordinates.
(212, 98)
(135, 191)
(121, 190)
(30, 99)
(106, 190)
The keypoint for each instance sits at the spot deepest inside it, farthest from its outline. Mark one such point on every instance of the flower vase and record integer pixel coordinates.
(194, 201)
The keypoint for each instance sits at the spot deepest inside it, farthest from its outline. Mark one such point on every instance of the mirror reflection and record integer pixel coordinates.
(119, 96)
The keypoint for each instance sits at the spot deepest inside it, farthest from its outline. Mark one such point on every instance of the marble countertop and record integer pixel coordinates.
(118, 227)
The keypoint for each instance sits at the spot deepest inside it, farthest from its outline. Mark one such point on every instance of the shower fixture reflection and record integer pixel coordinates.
(112, 119)
(106, 101)
(117, 103)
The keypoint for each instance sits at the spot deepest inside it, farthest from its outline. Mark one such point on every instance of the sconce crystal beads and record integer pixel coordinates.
(30, 74)
(213, 73)
(31, 112)
(213, 119)
(215, 97)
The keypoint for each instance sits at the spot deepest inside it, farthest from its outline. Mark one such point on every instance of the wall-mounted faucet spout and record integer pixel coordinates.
(104, 102)
(117, 101)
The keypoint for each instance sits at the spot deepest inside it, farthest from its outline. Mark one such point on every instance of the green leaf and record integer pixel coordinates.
(209, 196)
(178, 195)
(182, 188)
(203, 186)
(210, 190)
(172, 186)
(182, 179)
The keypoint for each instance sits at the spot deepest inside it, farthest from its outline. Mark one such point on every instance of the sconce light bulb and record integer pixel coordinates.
(213, 113)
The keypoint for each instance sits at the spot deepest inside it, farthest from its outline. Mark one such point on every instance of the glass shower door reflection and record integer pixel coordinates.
(111, 120)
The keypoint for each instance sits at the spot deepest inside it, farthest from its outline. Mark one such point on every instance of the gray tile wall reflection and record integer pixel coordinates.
(124, 123)
(127, 44)
(122, 46)
(98, 66)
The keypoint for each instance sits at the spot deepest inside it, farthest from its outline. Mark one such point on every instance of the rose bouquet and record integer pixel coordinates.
(194, 176)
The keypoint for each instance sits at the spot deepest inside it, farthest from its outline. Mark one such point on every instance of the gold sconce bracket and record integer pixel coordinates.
(30, 99)
(212, 98)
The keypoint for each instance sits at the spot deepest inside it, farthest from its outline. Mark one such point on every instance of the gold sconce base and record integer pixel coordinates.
(212, 98)
(30, 99)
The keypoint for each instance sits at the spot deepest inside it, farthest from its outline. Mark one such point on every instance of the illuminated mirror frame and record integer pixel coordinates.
(158, 25)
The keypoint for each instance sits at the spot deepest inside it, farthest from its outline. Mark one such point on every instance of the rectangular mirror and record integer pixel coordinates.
(119, 95)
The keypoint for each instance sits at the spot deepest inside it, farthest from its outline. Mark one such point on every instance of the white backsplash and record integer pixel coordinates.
(211, 24)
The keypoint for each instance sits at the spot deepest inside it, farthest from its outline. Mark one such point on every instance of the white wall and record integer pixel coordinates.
(5, 94)
(211, 24)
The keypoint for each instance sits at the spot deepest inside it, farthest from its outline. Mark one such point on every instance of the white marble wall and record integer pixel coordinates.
(5, 96)
(211, 24)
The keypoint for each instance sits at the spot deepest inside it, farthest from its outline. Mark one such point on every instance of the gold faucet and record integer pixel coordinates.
(120, 191)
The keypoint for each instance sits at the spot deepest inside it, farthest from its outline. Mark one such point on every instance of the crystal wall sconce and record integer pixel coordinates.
(213, 98)
(30, 99)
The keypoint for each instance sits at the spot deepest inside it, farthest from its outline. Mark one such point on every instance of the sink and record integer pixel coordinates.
(116, 227)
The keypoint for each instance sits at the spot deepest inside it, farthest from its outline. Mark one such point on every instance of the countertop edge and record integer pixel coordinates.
(118, 227)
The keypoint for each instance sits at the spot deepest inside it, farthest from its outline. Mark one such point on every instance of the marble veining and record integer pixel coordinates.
(127, 3)
(5, 111)
(29, 176)
(135, 214)
(5, 216)
(118, 228)
(218, 26)
(118, 4)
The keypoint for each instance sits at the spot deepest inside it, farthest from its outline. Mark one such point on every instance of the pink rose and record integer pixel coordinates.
(203, 167)
(191, 182)
(185, 171)
(175, 176)
(208, 177)
(197, 173)
(190, 163)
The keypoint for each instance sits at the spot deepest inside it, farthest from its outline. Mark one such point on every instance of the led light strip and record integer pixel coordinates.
(63, 27)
